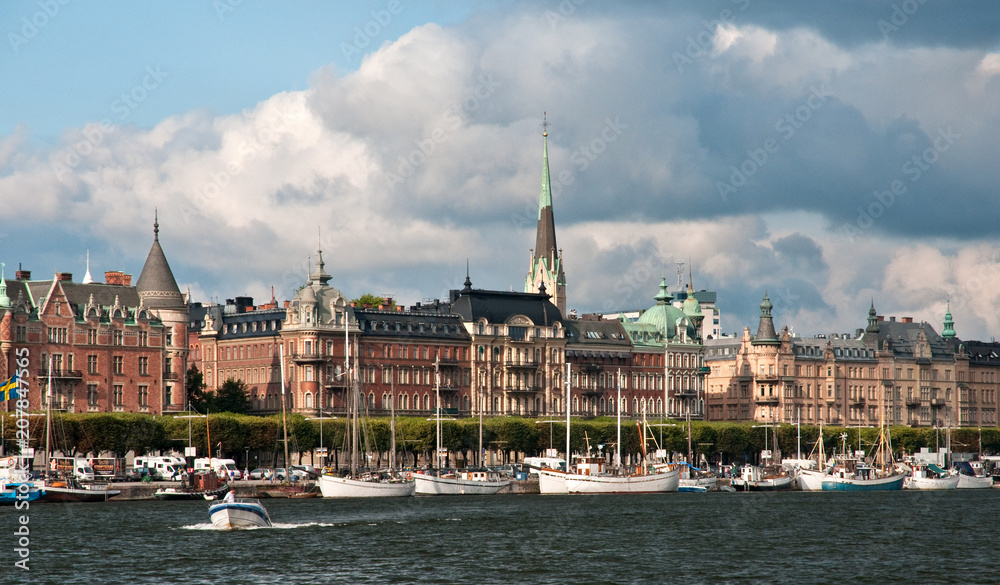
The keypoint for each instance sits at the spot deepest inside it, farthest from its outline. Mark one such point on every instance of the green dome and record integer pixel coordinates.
(664, 317)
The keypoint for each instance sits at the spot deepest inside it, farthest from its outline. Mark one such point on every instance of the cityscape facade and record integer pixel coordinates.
(119, 347)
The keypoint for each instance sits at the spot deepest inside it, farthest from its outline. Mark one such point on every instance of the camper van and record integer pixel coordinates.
(166, 467)
(226, 468)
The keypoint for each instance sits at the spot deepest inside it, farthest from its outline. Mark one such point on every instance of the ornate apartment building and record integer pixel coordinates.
(112, 346)
(898, 371)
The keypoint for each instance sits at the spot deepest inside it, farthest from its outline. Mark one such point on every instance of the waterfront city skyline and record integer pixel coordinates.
(741, 137)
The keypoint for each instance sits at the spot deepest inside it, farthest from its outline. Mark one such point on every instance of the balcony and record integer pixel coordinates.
(768, 378)
(522, 389)
(525, 364)
(591, 368)
(447, 362)
(307, 357)
(912, 402)
(858, 401)
(766, 400)
(171, 375)
(687, 392)
(938, 402)
(60, 374)
(447, 389)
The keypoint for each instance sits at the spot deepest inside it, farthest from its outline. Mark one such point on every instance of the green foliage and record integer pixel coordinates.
(369, 300)
(196, 387)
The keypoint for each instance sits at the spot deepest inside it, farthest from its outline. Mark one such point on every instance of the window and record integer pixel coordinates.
(92, 336)
(143, 338)
(143, 396)
(118, 363)
(143, 366)
(116, 337)
(119, 396)
(92, 395)
(166, 366)
(167, 392)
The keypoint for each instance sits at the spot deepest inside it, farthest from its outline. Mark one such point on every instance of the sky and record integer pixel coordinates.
(831, 155)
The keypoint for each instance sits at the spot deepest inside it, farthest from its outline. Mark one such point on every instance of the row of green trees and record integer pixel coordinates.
(512, 437)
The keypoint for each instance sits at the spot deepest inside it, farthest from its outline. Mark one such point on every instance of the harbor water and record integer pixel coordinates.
(795, 538)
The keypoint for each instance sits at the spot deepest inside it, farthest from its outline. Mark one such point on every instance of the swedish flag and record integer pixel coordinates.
(8, 389)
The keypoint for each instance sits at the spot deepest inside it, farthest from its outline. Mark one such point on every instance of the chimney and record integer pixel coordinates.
(116, 278)
(880, 318)
(287, 303)
(892, 319)
(22, 274)
(64, 276)
(907, 319)
(126, 280)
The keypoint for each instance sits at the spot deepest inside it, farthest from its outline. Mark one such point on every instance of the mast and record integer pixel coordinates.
(567, 416)
(798, 440)
(48, 417)
(618, 413)
(480, 456)
(437, 400)
(284, 419)
(690, 454)
(355, 408)
(392, 421)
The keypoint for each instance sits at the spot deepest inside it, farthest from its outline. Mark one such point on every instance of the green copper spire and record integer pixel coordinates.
(872, 320)
(545, 199)
(663, 297)
(949, 325)
(766, 334)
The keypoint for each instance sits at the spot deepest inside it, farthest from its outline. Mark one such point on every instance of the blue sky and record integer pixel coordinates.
(829, 154)
(218, 55)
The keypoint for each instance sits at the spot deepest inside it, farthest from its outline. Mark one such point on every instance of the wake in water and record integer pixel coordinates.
(276, 525)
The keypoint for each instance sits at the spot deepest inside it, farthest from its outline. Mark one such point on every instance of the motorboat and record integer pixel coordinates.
(239, 513)
(928, 476)
(464, 482)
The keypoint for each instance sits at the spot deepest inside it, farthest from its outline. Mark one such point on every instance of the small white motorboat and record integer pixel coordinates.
(239, 514)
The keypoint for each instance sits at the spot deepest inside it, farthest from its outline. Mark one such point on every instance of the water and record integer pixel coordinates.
(800, 538)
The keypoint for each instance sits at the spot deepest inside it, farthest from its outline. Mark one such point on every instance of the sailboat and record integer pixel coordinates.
(811, 479)
(767, 477)
(852, 474)
(373, 484)
(462, 482)
(67, 489)
(593, 478)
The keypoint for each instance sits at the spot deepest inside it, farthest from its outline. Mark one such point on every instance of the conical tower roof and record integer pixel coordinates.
(156, 285)
(766, 334)
(545, 238)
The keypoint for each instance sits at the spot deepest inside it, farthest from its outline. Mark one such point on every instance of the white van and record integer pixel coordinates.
(167, 467)
(77, 467)
(226, 468)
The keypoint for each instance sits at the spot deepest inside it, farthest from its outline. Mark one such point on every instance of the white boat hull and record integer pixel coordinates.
(552, 482)
(931, 483)
(429, 485)
(971, 482)
(344, 487)
(667, 481)
(810, 480)
(849, 484)
(239, 514)
(697, 484)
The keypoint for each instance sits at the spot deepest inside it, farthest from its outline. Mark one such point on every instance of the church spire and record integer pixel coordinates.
(872, 320)
(546, 260)
(87, 278)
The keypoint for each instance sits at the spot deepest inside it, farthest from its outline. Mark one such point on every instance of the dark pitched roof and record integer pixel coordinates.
(902, 338)
(500, 306)
(582, 333)
(423, 325)
(156, 284)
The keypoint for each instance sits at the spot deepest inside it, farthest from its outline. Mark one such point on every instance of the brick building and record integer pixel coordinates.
(112, 346)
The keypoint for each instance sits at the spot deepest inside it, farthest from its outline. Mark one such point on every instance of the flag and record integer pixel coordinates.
(8, 389)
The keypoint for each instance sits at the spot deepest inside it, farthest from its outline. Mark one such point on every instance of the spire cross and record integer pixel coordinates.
(545, 124)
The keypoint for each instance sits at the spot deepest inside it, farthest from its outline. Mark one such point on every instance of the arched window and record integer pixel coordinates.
(309, 399)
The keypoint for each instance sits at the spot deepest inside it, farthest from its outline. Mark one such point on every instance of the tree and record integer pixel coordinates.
(230, 397)
(196, 389)
(371, 300)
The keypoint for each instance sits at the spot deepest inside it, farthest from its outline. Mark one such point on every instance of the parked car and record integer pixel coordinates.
(296, 475)
(140, 474)
(309, 471)
(261, 473)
